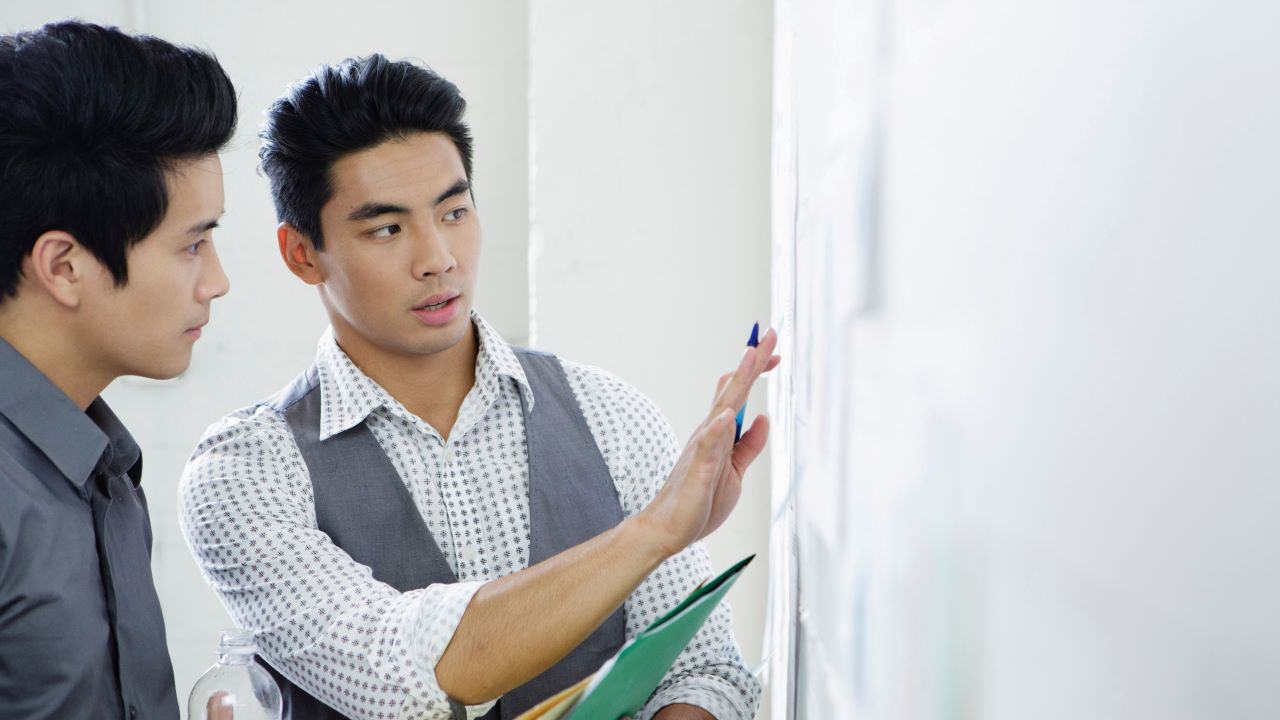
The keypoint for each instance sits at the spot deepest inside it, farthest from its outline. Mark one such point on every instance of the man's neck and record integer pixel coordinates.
(430, 386)
(71, 369)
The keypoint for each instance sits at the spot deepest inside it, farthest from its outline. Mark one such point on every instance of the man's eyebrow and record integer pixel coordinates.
(457, 188)
(204, 226)
(374, 209)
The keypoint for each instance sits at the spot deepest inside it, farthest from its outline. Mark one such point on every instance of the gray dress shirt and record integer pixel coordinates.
(81, 635)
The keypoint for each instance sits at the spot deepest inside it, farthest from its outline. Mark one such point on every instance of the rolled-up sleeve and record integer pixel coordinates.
(710, 673)
(319, 617)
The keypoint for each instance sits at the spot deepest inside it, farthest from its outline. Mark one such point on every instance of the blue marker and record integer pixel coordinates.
(752, 341)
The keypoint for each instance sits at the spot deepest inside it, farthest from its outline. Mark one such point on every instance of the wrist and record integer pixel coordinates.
(646, 538)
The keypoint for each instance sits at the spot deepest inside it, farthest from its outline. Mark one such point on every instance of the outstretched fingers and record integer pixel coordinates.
(724, 380)
(754, 361)
(712, 448)
(750, 445)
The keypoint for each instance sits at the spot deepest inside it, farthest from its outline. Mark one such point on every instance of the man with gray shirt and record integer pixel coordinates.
(110, 186)
(428, 522)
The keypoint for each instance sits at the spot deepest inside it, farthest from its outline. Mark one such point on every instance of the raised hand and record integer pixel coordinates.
(706, 482)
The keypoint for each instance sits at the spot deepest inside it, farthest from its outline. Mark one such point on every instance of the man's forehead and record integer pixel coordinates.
(203, 170)
(195, 193)
(421, 164)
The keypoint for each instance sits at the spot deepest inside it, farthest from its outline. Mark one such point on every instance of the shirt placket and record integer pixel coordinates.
(464, 513)
(101, 498)
(461, 508)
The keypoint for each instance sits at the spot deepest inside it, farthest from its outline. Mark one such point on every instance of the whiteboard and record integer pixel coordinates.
(1028, 432)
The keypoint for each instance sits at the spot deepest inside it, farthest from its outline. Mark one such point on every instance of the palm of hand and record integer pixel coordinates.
(706, 482)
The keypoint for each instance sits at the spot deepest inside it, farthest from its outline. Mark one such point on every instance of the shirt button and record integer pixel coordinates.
(448, 455)
(133, 712)
(470, 553)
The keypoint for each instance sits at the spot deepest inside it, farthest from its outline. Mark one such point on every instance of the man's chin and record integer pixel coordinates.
(435, 346)
(163, 368)
(439, 339)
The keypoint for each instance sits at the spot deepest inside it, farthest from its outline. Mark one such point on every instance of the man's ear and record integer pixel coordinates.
(60, 266)
(298, 253)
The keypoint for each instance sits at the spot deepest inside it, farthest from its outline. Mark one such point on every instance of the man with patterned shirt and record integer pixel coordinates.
(429, 522)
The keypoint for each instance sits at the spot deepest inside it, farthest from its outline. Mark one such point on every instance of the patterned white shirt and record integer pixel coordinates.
(361, 646)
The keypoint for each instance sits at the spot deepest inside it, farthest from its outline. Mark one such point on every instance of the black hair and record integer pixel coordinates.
(91, 118)
(345, 108)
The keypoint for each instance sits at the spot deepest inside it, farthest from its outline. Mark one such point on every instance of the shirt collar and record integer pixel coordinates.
(497, 359)
(348, 395)
(122, 454)
(75, 442)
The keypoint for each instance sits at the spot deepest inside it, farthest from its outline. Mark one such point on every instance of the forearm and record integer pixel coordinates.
(518, 626)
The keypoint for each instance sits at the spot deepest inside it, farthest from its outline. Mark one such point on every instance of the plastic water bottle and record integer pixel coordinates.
(235, 688)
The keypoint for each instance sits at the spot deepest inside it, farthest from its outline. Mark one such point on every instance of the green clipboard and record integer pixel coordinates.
(623, 684)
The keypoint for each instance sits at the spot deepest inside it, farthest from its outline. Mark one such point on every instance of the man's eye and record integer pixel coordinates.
(386, 231)
(194, 248)
(457, 214)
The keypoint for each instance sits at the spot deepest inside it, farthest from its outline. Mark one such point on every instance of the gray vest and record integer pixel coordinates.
(365, 507)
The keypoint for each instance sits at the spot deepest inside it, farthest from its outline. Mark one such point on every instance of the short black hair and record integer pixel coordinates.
(91, 118)
(345, 108)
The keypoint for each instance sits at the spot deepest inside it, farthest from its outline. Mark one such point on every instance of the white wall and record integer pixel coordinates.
(650, 247)
(264, 331)
(1059, 423)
